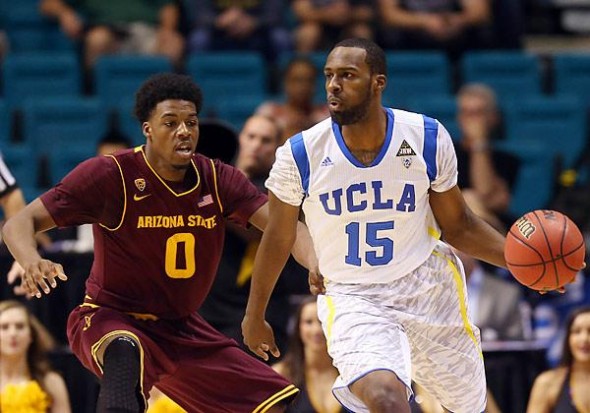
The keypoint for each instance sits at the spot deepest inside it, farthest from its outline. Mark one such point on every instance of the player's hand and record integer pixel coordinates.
(259, 338)
(316, 282)
(561, 289)
(41, 276)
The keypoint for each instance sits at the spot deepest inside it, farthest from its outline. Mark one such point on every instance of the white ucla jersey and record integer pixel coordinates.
(369, 224)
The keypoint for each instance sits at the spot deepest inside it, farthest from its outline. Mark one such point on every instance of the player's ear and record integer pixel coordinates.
(146, 129)
(380, 82)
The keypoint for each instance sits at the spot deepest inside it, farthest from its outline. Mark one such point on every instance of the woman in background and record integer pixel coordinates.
(564, 389)
(308, 365)
(27, 383)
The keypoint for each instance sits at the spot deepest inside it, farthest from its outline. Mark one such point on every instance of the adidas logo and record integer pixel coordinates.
(405, 149)
(327, 162)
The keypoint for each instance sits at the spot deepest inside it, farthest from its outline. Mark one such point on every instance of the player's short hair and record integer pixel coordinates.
(375, 57)
(165, 86)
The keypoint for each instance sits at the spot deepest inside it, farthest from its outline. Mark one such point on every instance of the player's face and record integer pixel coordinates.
(310, 328)
(579, 338)
(172, 133)
(258, 143)
(15, 332)
(348, 85)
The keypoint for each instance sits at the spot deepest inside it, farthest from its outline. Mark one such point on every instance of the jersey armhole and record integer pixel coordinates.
(124, 198)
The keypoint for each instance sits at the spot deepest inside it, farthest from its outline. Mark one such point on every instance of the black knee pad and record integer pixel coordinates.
(120, 390)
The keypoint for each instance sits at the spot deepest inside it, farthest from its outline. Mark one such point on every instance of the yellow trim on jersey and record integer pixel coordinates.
(331, 316)
(121, 333)
(215, 186)
(124, 197)
(89, 305)
(164, 182)
(137, 149)
(288, 391)
(433, 233)
(143, 316)
(462, 299)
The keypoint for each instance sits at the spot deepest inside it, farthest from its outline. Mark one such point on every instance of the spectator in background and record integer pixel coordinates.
(226, 302)
(321, 23)
(298, 111)
(494, 304)
(307, 363)
(238, 25)
(113, 26)
(565, 388)
(27, 383)
(485, 175)
(451, 25)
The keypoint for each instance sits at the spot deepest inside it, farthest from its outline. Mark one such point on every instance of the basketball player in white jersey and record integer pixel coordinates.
(378, 189)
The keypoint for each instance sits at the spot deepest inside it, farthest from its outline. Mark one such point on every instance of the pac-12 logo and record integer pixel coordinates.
(525, 227)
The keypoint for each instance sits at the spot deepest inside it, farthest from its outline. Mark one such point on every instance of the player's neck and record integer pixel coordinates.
(367, 134)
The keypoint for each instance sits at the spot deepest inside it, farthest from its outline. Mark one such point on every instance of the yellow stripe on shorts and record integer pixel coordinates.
(460, 291)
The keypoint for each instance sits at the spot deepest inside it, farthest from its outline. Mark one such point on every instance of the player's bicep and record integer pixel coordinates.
(449, 209)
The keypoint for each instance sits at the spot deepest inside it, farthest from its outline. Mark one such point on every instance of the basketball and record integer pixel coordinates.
(544, 250)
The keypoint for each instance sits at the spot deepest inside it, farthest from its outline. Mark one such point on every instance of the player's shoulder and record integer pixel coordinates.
(412, 119)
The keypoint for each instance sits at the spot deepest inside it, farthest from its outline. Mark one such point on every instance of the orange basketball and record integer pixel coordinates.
(544, 250)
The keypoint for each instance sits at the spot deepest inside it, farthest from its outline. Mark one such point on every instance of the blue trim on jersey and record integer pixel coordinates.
(301, 159)
(350, 156)
(430, 134)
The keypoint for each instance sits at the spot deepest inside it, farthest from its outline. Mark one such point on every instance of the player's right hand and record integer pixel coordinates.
(259, 338)
(40, 276)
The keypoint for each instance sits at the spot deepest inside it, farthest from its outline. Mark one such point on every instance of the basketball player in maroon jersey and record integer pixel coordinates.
(159, 215)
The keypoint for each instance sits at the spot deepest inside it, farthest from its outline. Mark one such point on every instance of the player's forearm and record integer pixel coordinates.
(303, 250)
(478, 239)
(19, 235)
(271, 258)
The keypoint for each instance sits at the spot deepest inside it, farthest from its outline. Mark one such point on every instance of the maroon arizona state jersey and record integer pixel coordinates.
(157, 244)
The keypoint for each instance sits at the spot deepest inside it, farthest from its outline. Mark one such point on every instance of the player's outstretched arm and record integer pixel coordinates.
(19, 235)
(277, 241)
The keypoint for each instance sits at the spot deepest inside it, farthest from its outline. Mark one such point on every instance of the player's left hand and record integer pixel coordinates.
(561, 290)
(259, 337)
(316, 282)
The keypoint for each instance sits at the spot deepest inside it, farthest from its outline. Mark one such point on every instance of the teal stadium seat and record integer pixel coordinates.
(441, 107)
(65, 124)
(40, 75)
(237, 111)
(533, 187)
(416, 75)
(28, 31)
(228, 75)
(571, 74)
(557, 123)
(24, 170)
(117, 78)
(509, 74)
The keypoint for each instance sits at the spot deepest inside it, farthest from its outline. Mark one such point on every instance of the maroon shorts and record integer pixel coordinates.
(198, 367)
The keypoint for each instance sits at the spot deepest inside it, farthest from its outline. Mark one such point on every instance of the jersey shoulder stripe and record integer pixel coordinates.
(429, 154)
(301, 159)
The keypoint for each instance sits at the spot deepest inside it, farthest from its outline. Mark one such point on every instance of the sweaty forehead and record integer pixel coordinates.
(347, 57)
